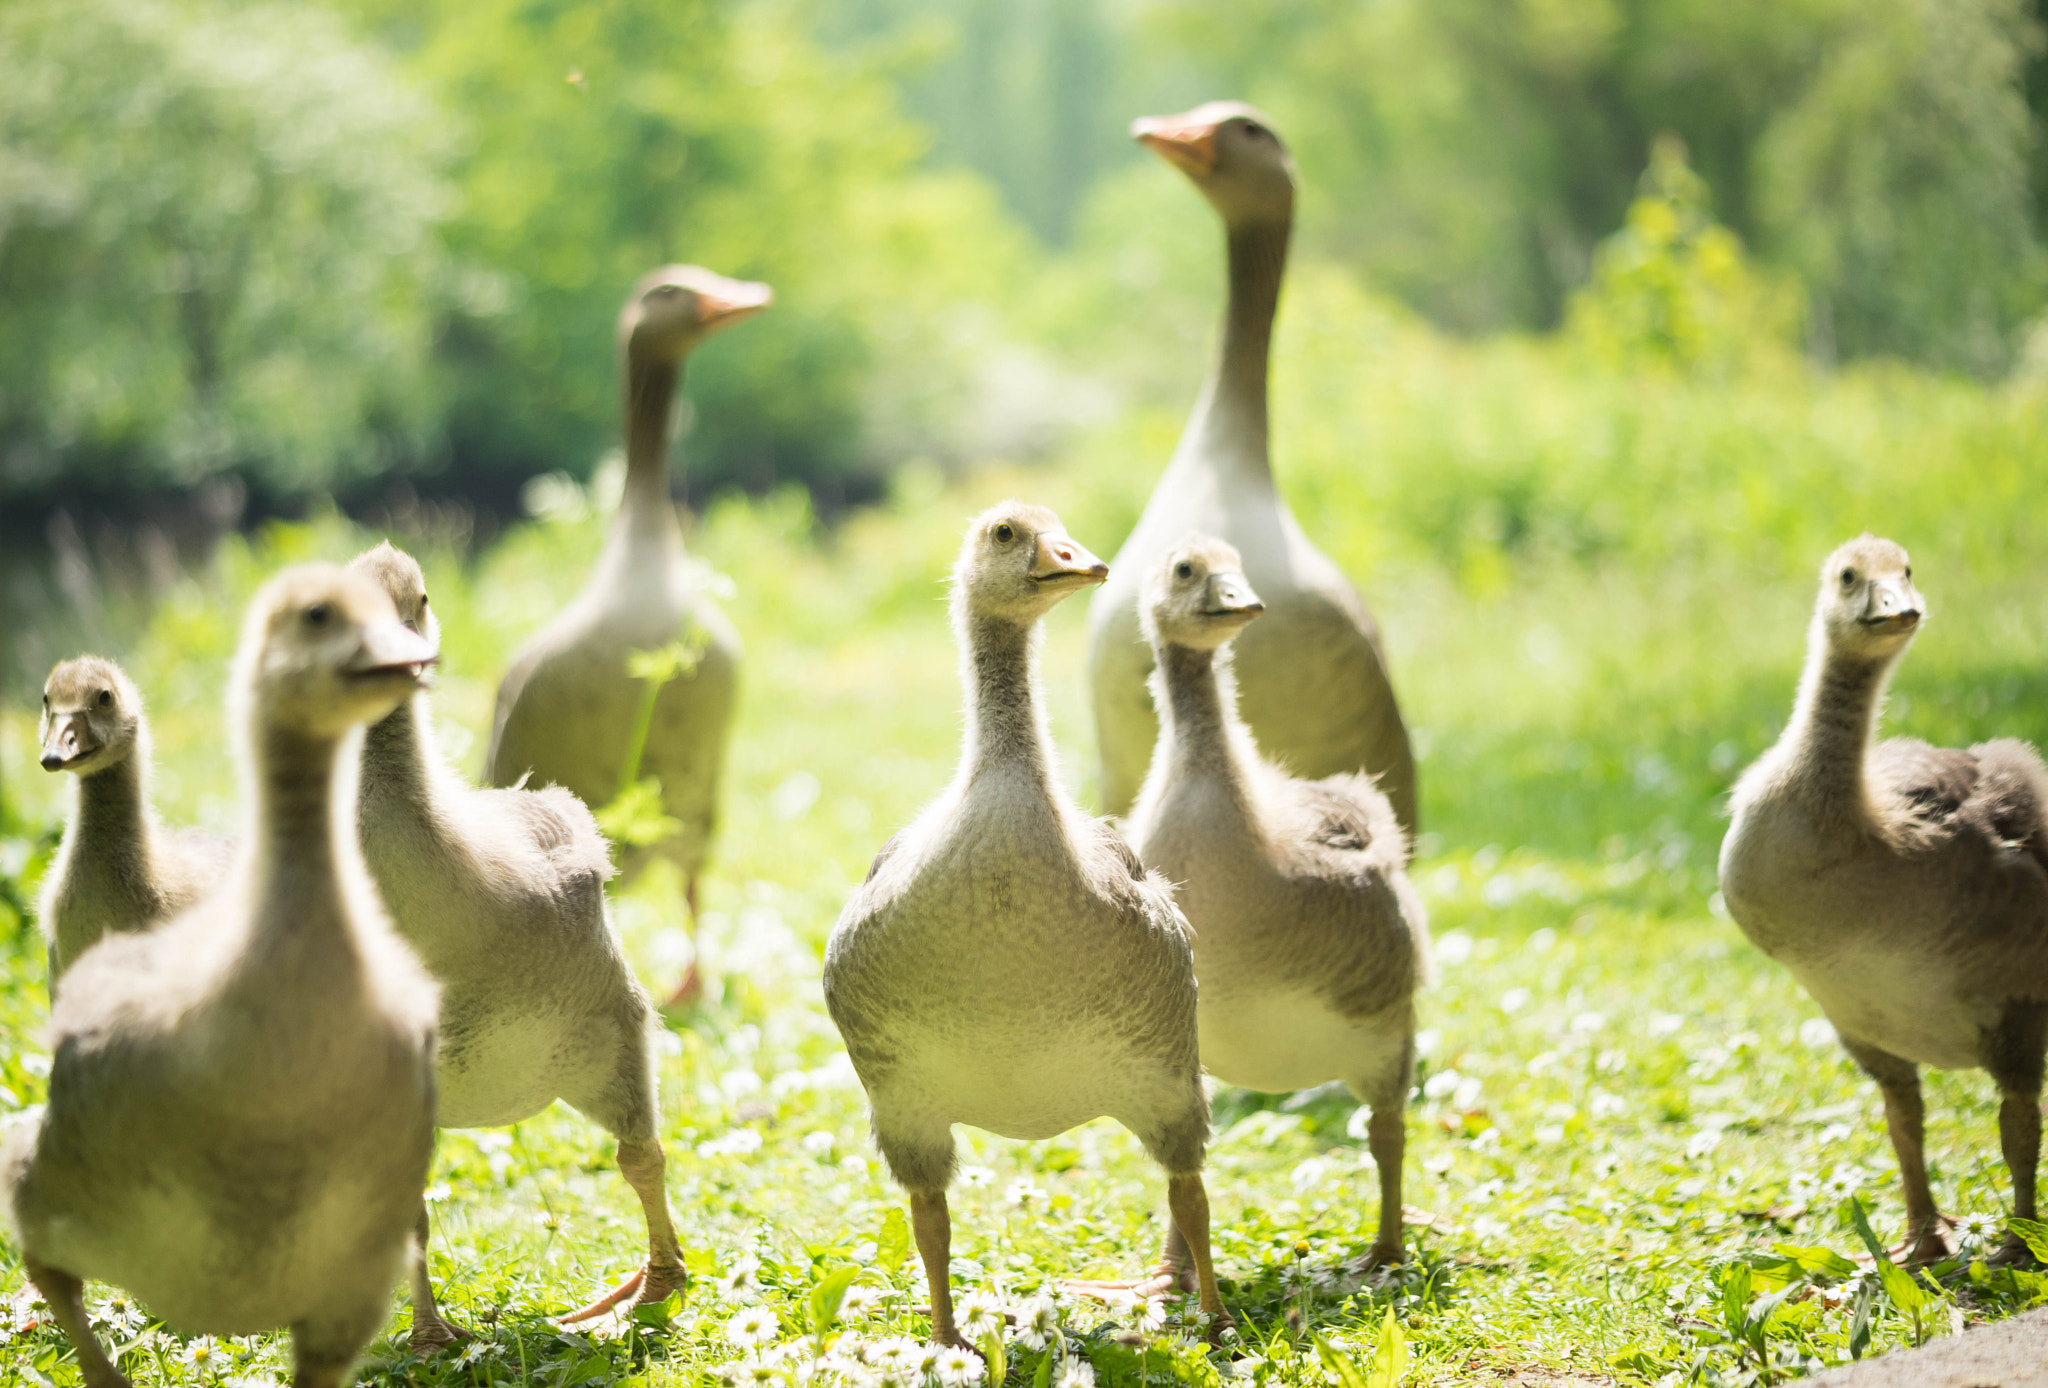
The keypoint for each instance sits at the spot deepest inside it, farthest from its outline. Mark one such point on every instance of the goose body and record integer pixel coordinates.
(1313, 679)
(567, 708)
(241, 1103)
(501, 892)
(1309, 940)
(1904, 886)
(117, 869)
(1008, 963)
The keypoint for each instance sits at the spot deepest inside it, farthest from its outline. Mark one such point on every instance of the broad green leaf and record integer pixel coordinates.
(892, 1245)
(998, 1362)
(1735, 1292)
(660, 1312)
(2033, 1233)
(1859, 1326)
(1044, 1375)
(827, 1296)
(1906, 1294)
(1861, 1222)
(1817, 1262)
(1390, 1360)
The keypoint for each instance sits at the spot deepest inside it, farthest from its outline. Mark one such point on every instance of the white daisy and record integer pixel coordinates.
(744, 1275)
(1078, 1373)
(898, 1352)
(974, 1177)
(120, 1315)
(206, 1353)
(980, 1314)
(1023, 1194)
(956, 1368)
(860, 1299)
(1979, 1225)
(753, 1327)
(1150, 1314)
(474, 1353)
(1038, 1320)
(758, 1371)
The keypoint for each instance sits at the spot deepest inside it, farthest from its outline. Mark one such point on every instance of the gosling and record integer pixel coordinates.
(241, 1107)
(1905, 886)
(1008, 962)
(1309, 940)
(502, 894)
(117, 869)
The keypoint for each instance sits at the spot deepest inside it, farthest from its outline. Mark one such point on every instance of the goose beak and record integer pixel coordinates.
(1230, 595)
(1892, 604)
(389, 648)
(1188, 145)
(1062, 563)
(69, 742)
(733, 301)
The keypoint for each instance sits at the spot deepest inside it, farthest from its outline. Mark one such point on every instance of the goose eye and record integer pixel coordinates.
(1909, 573)
(1848, 577)
(106, 698)
(1183, 569)
(423, 600)
(318, 613)
(1005, 533)
(1252, 127)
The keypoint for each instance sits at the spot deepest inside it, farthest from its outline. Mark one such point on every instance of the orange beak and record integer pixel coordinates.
(733, 301)
(1188, 145)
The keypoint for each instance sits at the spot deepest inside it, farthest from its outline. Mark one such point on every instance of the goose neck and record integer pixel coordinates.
(650, 399)
(299, 851)
(113, 822)
(1231, 417)
(1200, 732)
(1006, 728)
(396, 758)
(1832, 724)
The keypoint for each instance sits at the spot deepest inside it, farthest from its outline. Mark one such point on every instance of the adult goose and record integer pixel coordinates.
(1309, 940)
(1008, 963)
(502, 894)
(1905, 886)
(117, 869)
(568, 709)
(241, 1107)
(1312, 676)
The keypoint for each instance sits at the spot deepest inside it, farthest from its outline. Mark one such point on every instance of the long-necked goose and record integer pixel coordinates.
(118, 869)
(1309, 940)
(502, 894)
(241, 1108)
(1313, 679)
(1008, 963)
(1905, 886)
(567, 708)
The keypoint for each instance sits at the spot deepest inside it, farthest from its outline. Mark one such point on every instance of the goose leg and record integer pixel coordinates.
(429, 1330)
(1175, 1271)
(1386, 1137)
(1188, 1198)
(1905, 1118)
(932, 1225)
(2016, 1062)
(66, 1297)
(642, 1164)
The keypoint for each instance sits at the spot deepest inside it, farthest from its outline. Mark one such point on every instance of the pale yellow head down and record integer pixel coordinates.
(92, 716)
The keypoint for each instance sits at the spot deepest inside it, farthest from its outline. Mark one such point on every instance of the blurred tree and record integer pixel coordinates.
(601, 139)
(1473, 153)
(217, 249)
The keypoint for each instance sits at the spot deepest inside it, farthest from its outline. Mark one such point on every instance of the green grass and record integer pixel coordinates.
(1595, 602)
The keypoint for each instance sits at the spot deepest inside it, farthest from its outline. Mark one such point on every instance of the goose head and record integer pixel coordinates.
(323, 649)
(1197, 595)
(1868, 605)
(1018, 561)
(674, 308)
(398, 574)
(92, 716)
(1231, 153)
